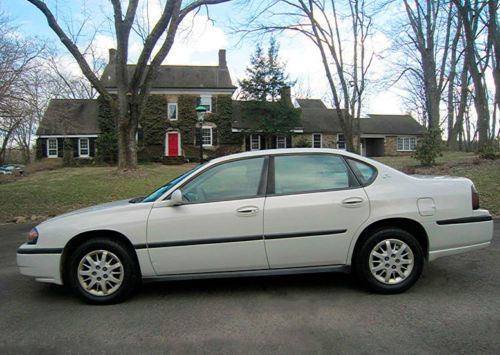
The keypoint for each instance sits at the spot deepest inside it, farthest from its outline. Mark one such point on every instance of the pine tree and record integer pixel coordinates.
(265, 76)
(262, 88)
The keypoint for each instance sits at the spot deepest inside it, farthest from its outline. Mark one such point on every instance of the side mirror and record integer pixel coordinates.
(176, 198)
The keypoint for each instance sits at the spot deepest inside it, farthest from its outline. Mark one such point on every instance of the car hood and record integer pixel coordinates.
(101, 207)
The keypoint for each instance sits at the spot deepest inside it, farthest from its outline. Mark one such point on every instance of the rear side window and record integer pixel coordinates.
(309, 173)
(364, 172)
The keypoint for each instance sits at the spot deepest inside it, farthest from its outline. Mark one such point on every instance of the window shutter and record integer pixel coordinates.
(74, 146)
(60, 147)
(214, 104)
(197, 136)
(262, 142)
(215, 138)
(288, 141)
(43, 144)
(92, 147)
(247, 143)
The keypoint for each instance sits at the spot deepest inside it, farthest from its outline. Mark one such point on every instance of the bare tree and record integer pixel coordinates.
(430, 30)
(133, 88)
(344, 53)
(477, 63)
(494, 43)
(17, 56)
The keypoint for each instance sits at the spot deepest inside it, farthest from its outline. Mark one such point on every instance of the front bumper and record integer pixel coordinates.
(41, 263)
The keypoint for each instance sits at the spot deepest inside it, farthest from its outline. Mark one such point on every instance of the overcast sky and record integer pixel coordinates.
(201, 44)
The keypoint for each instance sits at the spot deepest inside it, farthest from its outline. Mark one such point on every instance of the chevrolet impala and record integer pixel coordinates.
(268, 212)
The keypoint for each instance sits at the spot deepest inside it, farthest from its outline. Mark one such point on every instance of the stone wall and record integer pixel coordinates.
(328, 140)
(391, 147)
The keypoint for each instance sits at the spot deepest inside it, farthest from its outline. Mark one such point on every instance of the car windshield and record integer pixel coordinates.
(160, 191)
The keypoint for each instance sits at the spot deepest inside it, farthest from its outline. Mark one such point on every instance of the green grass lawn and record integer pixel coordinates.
(47, 193)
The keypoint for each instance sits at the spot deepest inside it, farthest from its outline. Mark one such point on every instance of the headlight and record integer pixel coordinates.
(33, 236)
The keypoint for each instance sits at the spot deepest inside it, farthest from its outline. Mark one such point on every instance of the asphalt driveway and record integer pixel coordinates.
(454, 308)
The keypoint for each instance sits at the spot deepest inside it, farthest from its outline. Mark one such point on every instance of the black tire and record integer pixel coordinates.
(362, 262)
(129, 271)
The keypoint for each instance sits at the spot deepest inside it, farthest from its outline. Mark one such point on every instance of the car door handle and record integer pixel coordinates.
(247, 211)
(352, 202)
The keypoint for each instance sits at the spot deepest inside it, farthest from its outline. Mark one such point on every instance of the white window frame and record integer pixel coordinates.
(209, 97)
(343, 141)
(252, 136)
(49, 149)
(406, 143)
(320, 140)
(211, 136)
(278, 142)
(80, 148)
(176, 111)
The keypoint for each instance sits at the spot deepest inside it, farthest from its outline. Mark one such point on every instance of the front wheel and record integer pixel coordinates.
(389, 261)
(102, 271)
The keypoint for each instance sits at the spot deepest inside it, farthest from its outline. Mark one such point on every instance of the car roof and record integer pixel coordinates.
(258, 153)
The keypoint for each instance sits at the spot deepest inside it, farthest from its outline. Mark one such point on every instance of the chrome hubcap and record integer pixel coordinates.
(391, 261)
(100, 273)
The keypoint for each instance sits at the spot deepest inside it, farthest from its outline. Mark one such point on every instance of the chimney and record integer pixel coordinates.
(222, 58)
(112, 56)
(286, 95)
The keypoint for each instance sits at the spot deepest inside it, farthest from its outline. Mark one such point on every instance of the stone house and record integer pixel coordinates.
(170, 131)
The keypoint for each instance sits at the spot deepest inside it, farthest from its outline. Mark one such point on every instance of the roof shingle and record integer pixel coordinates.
(179, 77)
(70, 117)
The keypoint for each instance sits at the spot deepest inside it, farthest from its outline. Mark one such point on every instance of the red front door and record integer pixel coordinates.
(172, 144)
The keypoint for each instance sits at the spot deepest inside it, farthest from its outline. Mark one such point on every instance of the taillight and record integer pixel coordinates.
(475, 198)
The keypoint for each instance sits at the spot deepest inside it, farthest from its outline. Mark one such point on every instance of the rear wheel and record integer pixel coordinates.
(389, 261)
(102, 271)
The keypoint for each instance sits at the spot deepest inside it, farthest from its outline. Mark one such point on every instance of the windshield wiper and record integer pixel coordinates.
(136, 199)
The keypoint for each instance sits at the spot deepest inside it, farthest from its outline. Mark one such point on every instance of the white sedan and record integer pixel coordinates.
(263, 213)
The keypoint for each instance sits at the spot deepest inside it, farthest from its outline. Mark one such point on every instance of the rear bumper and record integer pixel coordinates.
(42, 264)
(460, 235)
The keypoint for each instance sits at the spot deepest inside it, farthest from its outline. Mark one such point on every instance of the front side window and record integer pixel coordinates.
(228, 181)
(309, 173)
(316, 140)
(407, 144)
(280, 142)
(207, 136)
(205, 101)
(84, 147)
(340, 141)
(52, 147)
(172, 111)
(254, 142)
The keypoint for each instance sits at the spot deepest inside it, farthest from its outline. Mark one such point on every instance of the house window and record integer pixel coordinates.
(207, 136)
(206, 101)
(52, 147)
(340, 141)
(407, 144)
(317, 140)
(280, 142)
(172, 111)
(83, 147)
(254, 142)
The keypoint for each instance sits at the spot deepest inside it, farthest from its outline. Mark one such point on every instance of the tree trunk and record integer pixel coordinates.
(494, 39)
(432, 95)
(480, 95)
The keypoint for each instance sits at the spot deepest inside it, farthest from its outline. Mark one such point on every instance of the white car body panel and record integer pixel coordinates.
(304, 214)
(205, 222)
(442, 206)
